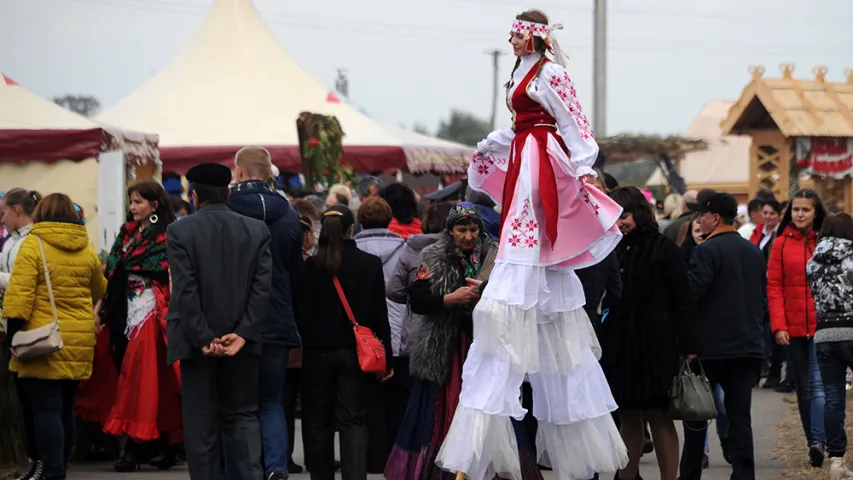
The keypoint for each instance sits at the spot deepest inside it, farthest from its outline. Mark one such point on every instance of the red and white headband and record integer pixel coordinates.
(534, 29)
(540, 30)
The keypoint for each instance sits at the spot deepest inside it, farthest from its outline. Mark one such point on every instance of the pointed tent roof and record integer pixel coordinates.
(33, 128)
(724, 164)
(798, 108)
(233, 85)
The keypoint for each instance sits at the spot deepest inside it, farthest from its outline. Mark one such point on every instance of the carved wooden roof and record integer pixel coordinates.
(798, 108)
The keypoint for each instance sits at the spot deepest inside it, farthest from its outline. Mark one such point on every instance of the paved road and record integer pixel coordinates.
(768, 410)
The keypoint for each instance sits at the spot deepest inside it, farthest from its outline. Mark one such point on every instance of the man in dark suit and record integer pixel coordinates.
(221, 270)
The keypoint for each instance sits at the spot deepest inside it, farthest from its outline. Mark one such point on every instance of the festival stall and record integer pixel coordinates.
(46, 148)
(798, 127)
(233, 85)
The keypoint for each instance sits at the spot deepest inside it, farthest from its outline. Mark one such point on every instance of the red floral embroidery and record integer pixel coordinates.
(565, 89)
(514, 240)
(525, 230)
(588, 200)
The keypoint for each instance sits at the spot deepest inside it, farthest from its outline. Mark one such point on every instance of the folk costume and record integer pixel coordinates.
(437, 352)
(530, 319)
(147, 397)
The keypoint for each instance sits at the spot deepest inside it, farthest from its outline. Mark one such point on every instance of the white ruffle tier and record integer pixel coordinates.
(553, 341)
(577, 451)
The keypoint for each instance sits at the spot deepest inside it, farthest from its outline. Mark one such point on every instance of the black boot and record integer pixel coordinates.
(129, 461)
(166, 458)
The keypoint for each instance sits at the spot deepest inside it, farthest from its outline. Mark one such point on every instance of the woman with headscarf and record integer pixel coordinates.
(444, 293)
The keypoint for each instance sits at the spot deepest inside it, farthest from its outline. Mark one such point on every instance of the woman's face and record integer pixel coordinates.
(802, 213)
(519, 44)
(626, 222)
(770, 217)
(10, 216)
(465, 235)
(696, 231)
(140, 208)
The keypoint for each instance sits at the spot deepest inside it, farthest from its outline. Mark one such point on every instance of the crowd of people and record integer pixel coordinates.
(436, 338)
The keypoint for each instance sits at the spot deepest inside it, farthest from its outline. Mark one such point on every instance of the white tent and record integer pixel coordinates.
(233, 85)
(724, 165)
(47, 148)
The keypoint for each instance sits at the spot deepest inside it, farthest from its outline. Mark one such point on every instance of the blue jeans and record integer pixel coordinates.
(273, 370)
(811, 399)
(53, 422)
(722, 418)
(834, 358)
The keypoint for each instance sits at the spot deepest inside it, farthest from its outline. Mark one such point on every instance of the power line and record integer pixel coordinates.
(660, 13)
(458, 35)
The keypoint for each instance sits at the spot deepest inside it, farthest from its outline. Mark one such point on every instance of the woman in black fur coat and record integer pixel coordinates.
(647, 332)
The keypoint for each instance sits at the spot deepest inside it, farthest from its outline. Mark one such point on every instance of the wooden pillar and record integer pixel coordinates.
(770, 160)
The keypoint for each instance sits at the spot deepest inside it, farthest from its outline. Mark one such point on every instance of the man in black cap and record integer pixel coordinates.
(727, 274)
(221, 270)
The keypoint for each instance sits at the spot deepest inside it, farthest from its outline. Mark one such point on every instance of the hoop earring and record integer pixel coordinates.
(153, 219)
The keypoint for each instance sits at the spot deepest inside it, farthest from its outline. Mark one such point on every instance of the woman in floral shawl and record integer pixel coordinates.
(445, 292)
(147, 404)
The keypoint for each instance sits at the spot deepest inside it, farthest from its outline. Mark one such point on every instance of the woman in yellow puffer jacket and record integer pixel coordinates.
(51, 381)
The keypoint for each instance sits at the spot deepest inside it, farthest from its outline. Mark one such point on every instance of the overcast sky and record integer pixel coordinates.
(412, 61)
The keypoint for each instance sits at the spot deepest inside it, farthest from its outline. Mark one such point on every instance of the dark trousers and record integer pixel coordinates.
(776, 353)
(292, 387)
(834, 358)
(54, 427)
(27, 414)
(376, 421)
(220, 405)
(334, 394)
(737, 377)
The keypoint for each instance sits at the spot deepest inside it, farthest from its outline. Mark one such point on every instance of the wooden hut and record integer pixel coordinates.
(797, 126)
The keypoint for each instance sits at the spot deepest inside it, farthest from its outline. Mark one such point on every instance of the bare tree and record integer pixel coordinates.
(85, 105)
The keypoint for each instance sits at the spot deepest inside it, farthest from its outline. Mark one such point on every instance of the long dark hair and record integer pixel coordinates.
(154, 192)
(819, 210)
(632, 201)
(336, 222)
(401, 198)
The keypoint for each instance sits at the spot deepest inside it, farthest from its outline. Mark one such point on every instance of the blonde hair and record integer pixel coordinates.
(341, 189)
(672, 205)
(255, 161)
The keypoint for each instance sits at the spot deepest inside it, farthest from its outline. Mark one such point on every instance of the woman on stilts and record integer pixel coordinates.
(530, 319)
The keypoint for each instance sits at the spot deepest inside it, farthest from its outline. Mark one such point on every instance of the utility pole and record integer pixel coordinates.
(599, 103)
(495, 54)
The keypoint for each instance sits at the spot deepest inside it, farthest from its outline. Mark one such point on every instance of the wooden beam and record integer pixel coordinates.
(841, 107)
(810, 107)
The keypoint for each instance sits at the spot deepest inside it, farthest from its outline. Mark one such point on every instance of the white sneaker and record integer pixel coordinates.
(838, 469)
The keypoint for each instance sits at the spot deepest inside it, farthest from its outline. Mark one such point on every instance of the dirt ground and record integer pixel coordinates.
(791, 444)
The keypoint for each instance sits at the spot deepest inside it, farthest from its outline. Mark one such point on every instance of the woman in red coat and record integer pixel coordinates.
(792, 310)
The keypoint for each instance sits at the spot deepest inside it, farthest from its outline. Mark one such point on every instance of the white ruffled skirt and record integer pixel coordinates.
(530, 323)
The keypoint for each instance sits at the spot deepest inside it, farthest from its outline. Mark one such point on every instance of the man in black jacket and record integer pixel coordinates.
(221, 272)
(253, 198)
(727, 274)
